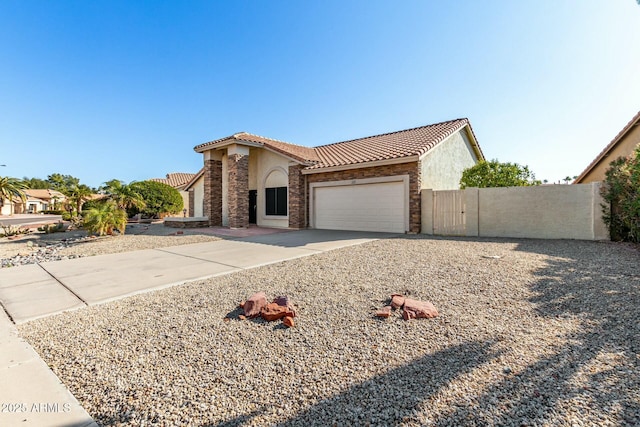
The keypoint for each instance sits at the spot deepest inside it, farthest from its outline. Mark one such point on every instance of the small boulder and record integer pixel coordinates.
(284, 301)
(254, 305)
(397, 300)
(288, 321)
(273, 312)
(418, 309)
(384, 311)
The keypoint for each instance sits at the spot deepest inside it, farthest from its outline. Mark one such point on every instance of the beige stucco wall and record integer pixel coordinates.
(623, 148)
(5, 209)
(275, 168)
(539, 212)
(545, 212)
(198, 197)
(442, 166)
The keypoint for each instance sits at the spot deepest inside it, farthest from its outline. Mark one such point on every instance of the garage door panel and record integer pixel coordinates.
(364, 207)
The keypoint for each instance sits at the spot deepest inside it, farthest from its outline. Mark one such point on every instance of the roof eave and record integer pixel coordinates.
(635, 121)
(362, 165)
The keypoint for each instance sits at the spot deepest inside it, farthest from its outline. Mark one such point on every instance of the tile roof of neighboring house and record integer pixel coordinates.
(176, 179)
(394, 145)
(634, 121)
(297, 152)
(44, 194)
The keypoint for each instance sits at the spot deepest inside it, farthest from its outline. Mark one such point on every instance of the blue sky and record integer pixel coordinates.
(126, 89)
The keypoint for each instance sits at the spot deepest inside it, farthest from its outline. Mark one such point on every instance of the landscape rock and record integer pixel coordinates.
(418, 309)
(273, 312)
(284, 301)
(254, 305)
(288, 321)
(397, 300)
(384, 311)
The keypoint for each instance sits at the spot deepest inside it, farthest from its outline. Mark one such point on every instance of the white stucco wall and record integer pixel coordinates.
(5, 209)
(442, 166)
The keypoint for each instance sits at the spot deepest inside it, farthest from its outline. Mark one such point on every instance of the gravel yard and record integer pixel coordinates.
(530, 333)
(40, 247)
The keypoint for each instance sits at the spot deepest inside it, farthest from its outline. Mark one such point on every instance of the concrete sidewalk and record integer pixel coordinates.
(34, 291)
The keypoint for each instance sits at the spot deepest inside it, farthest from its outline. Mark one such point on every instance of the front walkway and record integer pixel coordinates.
(39, 290)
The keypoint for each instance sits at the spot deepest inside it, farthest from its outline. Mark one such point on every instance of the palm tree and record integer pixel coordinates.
(12, 188)
(124, 196)
(79, 194)
(105, 218)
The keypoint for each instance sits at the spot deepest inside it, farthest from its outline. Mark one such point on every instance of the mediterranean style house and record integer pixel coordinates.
(367, 184)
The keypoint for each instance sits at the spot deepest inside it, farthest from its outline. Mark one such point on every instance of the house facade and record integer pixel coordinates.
(368, 184)
(621, 146)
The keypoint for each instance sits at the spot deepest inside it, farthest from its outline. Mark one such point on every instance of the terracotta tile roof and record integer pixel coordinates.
(394, 145)
(44, 194)
(634, 121)
(176, 179)
(297, 152)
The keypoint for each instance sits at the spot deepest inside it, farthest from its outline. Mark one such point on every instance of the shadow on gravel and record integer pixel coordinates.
(600, 284)
(392, 398)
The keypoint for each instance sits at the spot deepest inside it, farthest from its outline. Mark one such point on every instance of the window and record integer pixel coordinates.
(276, 201)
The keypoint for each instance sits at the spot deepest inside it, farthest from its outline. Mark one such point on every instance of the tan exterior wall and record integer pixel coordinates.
(540, 212)
(273, 168)
(198, 195)
(5, 209)
(442, 166)
(623, 148)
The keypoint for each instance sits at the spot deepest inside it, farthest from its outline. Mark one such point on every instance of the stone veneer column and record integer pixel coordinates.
(192, 202)
(297, 198)
(213, 191)
(238, 190)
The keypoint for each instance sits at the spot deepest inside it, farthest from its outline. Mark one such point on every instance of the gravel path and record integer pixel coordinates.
(40, 247)
(531, 333)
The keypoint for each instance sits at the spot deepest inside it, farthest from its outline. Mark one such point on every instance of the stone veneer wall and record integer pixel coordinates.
(297, 198)
(213, 191)
(192, 202)
(238, 199)
(412, 169)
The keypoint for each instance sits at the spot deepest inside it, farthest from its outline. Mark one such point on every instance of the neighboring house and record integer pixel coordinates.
(622, 146)
(369, 184)
(179, 180)
(39, 200)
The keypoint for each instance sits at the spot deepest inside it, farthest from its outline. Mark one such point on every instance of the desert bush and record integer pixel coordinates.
(621, 189)
(105, 218)
(159, 199)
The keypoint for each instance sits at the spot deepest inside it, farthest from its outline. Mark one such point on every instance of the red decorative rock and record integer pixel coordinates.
(397, 300)
(418, 309)
(241, 305)
(284, 301)
(273, 312)
(254, 305)
(288, 321)
(384, 311)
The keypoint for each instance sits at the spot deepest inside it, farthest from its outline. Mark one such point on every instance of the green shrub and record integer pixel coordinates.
(53, 228)
(13, 230)
(159, 199)
(621, 189)
(53, 212)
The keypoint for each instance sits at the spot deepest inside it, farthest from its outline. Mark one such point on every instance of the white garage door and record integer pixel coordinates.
(364, 207)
